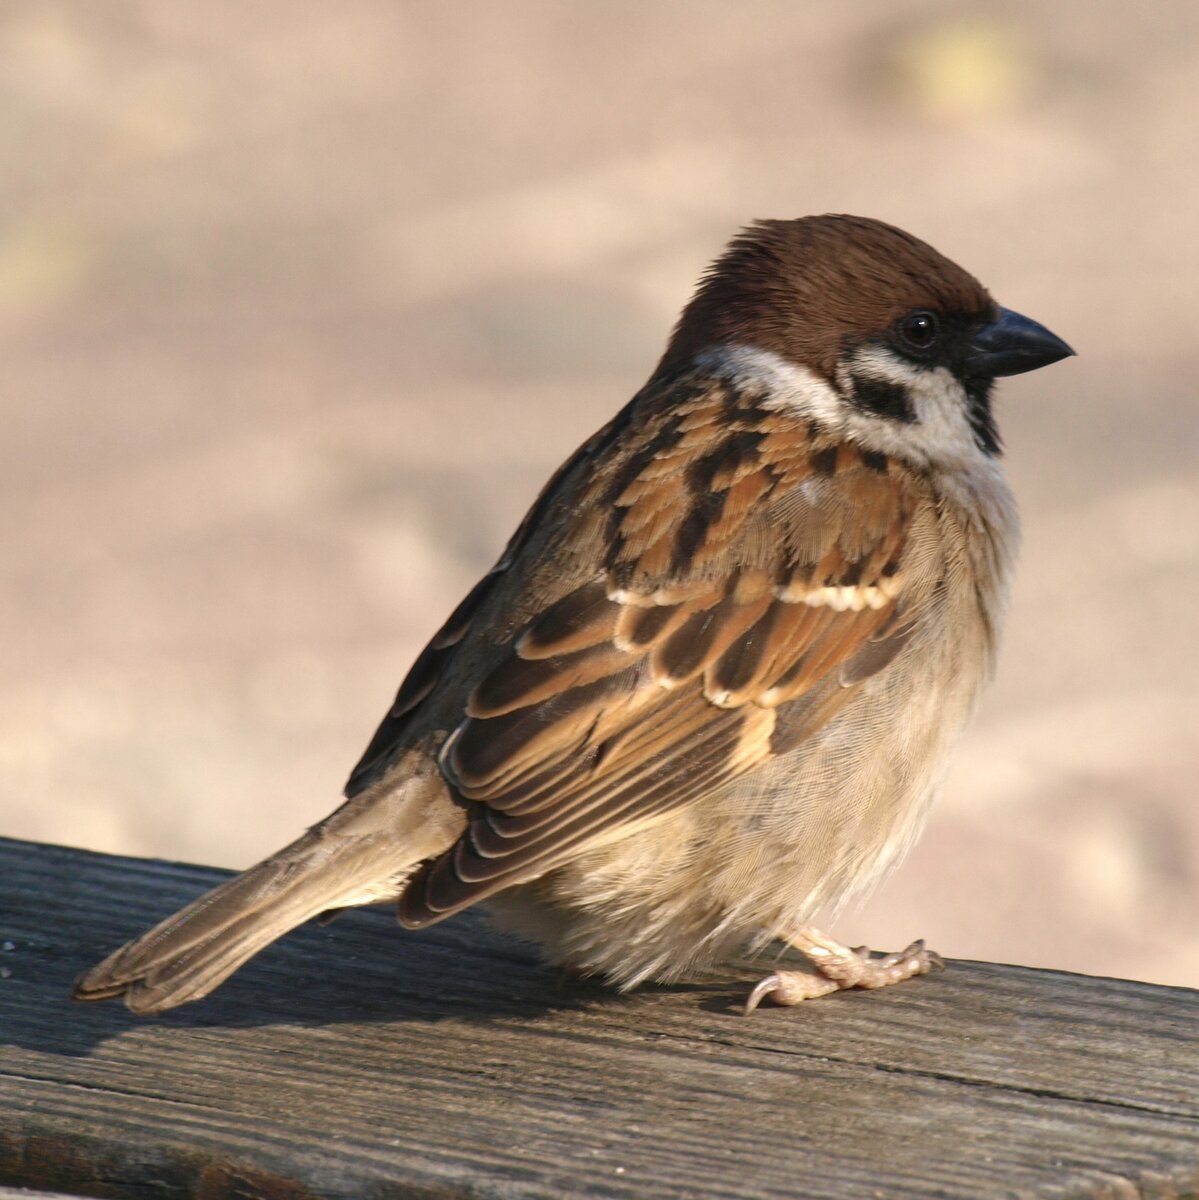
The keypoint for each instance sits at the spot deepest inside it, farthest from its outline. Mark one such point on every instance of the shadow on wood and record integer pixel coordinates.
(359, 1060)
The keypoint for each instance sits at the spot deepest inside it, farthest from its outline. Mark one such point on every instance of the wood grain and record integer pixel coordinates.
(358, 1061)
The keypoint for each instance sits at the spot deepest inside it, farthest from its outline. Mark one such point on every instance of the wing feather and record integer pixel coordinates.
(717, 581)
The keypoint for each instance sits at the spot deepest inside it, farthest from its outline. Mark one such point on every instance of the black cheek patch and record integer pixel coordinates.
(883, 398)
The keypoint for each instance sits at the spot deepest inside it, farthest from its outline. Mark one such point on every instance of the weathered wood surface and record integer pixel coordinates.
(20, 1193)
(360, 1061)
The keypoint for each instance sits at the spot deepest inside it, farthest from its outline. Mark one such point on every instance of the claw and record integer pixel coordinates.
(768, 986)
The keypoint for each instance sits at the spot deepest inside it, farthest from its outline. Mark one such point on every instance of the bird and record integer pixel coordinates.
(710, 687)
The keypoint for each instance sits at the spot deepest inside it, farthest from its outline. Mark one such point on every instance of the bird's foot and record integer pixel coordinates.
(839, 967)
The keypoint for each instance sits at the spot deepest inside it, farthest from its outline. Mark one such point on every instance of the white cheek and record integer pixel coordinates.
(941, 431)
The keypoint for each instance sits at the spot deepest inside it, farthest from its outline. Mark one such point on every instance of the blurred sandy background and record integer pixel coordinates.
(301, 302)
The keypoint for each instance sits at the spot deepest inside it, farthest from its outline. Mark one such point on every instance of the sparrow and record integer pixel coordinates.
(711, 684)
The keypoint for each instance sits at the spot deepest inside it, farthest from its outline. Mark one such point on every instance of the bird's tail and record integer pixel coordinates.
(190, 953)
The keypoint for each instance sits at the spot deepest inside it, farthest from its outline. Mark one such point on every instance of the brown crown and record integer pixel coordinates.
(805, 288)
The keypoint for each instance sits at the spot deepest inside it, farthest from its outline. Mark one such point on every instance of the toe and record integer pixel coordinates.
(789, 987)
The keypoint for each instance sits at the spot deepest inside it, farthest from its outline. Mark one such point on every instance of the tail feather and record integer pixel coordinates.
(184, 957)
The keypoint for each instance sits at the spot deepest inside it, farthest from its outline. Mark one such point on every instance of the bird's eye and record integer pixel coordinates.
(920, 330)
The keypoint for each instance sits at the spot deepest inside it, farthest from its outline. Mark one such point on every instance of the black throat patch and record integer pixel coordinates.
(982, 420)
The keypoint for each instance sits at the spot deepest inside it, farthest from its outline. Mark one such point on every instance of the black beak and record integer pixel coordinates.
(1012, 345)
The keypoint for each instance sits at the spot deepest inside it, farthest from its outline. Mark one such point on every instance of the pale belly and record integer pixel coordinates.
(746, 863)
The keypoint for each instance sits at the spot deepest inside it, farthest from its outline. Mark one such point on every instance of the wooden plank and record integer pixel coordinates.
(15, 1193)
(358, 1060)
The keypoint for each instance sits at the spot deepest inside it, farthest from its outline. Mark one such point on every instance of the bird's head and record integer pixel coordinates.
(864, 328)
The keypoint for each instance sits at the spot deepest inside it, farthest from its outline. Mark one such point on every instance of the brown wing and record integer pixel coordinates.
(439, 656)
(747, 577)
